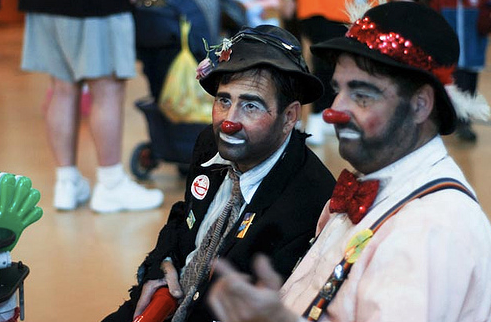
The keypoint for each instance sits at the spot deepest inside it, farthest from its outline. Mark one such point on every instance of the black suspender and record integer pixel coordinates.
(360, 240)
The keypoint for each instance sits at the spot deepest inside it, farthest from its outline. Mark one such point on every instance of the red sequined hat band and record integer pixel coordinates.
(398, 48)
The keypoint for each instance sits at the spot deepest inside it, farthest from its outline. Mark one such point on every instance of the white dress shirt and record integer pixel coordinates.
(430, 262)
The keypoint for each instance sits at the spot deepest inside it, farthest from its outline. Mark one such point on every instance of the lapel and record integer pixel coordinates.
(273, 183)
(216, 175)
(276, 180)
(205, 148)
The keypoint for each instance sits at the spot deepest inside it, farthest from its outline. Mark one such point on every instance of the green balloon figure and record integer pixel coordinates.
(18, 210)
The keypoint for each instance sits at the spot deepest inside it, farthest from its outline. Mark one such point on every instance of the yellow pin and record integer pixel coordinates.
(357, 244)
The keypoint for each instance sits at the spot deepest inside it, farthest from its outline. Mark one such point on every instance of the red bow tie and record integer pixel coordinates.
(353, 197)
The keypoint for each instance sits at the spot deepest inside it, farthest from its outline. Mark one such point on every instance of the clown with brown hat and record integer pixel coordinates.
(403, 238)
(253, 184)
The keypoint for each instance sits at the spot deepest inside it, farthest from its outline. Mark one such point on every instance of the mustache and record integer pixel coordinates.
(348, 126)
(235, 138)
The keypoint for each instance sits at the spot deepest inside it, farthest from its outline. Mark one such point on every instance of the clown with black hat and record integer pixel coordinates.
(253, 184)
(403, 238)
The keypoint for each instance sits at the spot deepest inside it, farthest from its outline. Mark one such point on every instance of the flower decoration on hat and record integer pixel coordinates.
(222, 51)
(204, 68)
(226, 50)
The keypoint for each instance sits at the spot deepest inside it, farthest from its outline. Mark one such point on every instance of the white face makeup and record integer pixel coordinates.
(231, 139)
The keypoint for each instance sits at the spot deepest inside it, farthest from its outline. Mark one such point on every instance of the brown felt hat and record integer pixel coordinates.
(269, 46)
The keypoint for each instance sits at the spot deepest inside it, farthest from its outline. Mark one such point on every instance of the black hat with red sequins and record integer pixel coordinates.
(410, 36)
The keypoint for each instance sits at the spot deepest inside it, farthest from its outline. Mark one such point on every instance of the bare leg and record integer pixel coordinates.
(106, 119)
(62, 121)
(114, 190)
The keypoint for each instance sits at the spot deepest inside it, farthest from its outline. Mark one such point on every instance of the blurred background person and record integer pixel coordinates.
(262, 12)
(157, 55)
(169, 41)
(463, 15)
(92, 42)
(320, 20)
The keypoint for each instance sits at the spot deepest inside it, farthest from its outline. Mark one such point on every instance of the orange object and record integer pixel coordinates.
(9, 13)
(333, 10)
(160, 307)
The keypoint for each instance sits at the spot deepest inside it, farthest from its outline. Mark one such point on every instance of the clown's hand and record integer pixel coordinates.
(234, 298)
(17, 204)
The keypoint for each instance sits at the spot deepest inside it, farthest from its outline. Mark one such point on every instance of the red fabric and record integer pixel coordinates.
(15, 318)
(333, 10)
(162, 305)
(353, 197)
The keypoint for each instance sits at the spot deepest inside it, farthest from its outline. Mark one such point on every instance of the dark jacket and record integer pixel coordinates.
(287, 205)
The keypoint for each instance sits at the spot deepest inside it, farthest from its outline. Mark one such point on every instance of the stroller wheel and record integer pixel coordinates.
(142, 161)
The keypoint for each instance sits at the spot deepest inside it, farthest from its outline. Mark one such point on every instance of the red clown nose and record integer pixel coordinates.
(335, 117)
(231, 127)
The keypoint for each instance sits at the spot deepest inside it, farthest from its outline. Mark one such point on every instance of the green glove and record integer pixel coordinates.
(17, 205)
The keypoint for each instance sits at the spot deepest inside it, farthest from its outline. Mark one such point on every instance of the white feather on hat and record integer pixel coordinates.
(355, 9)
(468, 106)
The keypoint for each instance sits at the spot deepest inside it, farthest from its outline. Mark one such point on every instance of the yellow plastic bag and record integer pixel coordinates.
(183, 99)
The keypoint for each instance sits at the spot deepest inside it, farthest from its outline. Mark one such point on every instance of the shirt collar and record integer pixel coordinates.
(423, 157)
(217, 159)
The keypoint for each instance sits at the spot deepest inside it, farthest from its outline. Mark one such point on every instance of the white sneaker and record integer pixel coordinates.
(128, 195)
(69, 194)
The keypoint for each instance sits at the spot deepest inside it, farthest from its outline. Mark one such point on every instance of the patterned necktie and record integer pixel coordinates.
(353, 197)
(199, 266)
